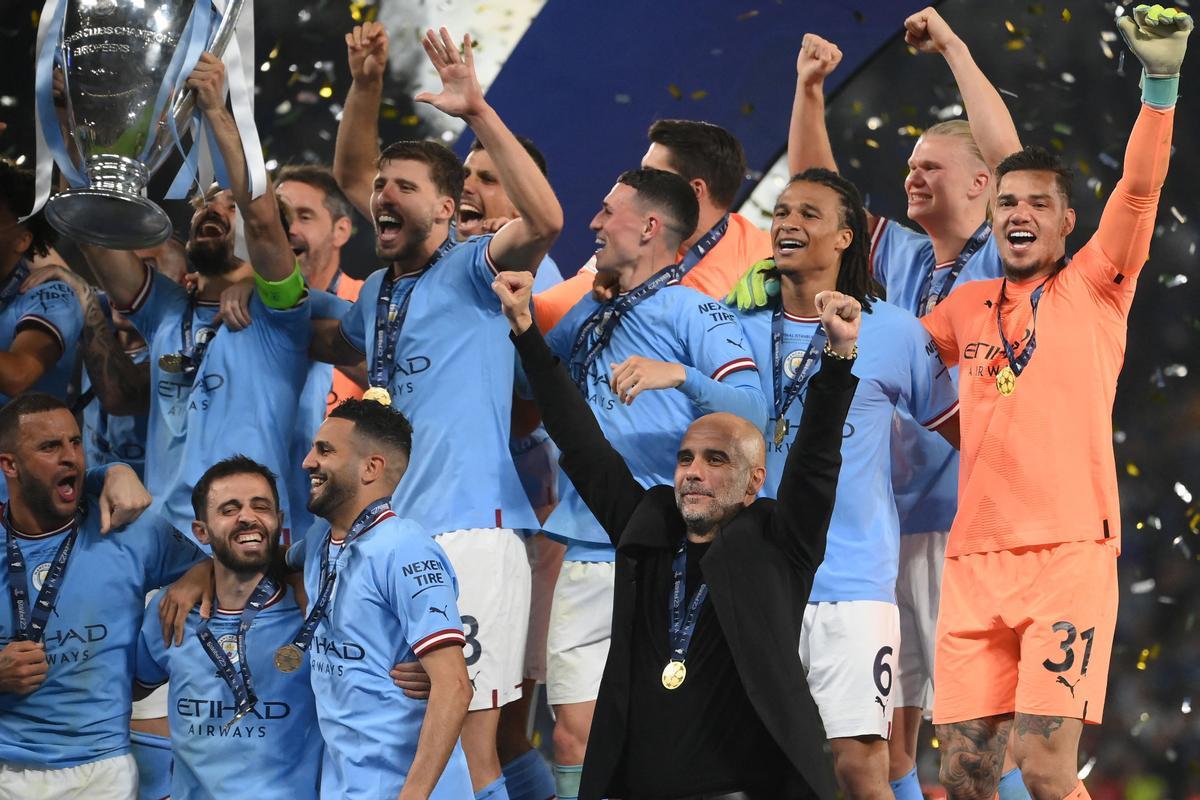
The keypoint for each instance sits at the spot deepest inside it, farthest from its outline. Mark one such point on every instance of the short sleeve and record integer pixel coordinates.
(159, 298)
(354, 322)
(297, 554)
(324, 305)
(53, 309)
(423, 590)
(168, 554)
(716, 342)
(282, 328)
(892, 242)
(469, 266)
(931, 397)
(149, 667)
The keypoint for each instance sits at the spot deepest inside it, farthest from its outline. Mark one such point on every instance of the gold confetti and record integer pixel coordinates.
(747, 109)
(1132, 470)
(410, 121)
(1009, 26)
(872, 144)
(1066, 15)
(326, 92)
(748, 15)
(699, 94)
(674, 90)
(1015, 44)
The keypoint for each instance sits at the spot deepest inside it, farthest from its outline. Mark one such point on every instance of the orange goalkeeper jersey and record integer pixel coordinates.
(1037, 466)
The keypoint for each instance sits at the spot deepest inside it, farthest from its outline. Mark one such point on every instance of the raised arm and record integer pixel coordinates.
(807, 488)
(119, 272)
(523, 242)
(808, 140)
(356, 151)
(121, 386)
(596, 469)
(270, 252)
(991, 125)
(1127, 224)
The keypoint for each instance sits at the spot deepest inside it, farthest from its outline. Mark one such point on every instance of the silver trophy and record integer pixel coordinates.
(115, 56)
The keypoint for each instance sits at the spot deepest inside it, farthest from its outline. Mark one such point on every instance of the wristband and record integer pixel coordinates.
(1160, 91)
(284, 294)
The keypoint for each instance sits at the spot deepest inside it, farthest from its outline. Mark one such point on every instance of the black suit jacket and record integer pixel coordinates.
(759, 569)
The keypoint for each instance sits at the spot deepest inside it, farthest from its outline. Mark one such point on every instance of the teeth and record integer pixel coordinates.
(470, 208)
(246, 538)
(1021, 237)
(387, 219)
(316, 481)
(789, 244)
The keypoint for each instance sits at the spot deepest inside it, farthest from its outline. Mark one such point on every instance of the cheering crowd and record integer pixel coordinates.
(748, 504)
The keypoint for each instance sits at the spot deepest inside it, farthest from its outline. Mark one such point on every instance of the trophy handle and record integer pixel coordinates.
(181, 109)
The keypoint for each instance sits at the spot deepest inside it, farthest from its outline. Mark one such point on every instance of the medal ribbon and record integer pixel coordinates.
(366, 519)
(1019, 362)
(192, 352)
(238, 680)
(785, 396)
(604, 321)
(12, 287)
(389, 319)
(31, 624)
(707, 242)
(930, 299)
(679, 635)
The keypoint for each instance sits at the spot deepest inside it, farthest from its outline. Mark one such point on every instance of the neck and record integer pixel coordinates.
(951, 237)
(651, 260)
(343, 519)
(799, 291)
(209, 287)
(28, 520)
(322, 277)
(709, 215)
(705, 537)
(1026, 274)
(416, 261)
(233, 588)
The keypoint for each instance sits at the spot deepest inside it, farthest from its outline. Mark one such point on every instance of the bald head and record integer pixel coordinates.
(719, 470)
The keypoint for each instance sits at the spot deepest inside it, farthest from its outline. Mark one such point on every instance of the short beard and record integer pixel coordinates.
(332, 497)
(246, 566)
(420, 234)
(39, 498)
(211, 259)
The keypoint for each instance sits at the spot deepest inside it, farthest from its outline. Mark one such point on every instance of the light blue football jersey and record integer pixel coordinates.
(676, 324)
(243, 399)
(897, 367)
(394, 600)
(109, 438)
(272, 753)
(81, 713)
(924, 465)
(53, 309)
(453, 381)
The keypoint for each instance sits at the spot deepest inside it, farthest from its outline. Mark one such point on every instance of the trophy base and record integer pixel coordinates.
(107, 218)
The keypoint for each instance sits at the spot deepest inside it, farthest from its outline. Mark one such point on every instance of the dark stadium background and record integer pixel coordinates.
(1060, 68)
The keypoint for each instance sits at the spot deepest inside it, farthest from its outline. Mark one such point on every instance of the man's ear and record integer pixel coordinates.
(342, 229)
(200, 531)
(8, 465)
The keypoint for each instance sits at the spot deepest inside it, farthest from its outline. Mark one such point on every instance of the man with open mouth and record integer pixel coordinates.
(73, 600)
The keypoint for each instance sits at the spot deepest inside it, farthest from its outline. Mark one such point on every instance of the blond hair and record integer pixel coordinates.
(960, 129)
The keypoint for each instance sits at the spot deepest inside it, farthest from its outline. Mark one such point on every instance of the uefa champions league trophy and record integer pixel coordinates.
(126, 106)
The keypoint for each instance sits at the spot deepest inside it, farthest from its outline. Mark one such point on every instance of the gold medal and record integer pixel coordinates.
(673, 674)
(379, 395)
(781, 430)
(1006, 381)
(171, 362)
(287, 658)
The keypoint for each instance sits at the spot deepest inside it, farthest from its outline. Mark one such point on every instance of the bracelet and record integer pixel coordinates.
(853, 353)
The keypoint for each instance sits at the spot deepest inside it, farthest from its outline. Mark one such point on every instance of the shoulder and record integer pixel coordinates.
(885, 317)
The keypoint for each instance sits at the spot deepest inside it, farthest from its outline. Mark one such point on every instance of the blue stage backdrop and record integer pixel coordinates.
(588, 79)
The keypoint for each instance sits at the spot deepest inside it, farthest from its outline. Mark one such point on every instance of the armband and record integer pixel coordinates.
(284, 294)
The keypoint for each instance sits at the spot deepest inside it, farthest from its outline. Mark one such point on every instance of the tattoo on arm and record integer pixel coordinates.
(973, 756)
(122, 386)
(1037, 725)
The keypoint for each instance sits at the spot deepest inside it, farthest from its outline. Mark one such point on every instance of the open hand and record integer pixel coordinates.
(367, 51)
(461, 95)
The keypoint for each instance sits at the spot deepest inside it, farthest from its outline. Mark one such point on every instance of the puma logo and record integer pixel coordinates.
(1070, 686)
(472, 680)
(442, 611)
(882, 706)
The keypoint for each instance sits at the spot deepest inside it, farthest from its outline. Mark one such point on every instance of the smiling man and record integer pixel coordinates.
(1029, 593)
(230, 702)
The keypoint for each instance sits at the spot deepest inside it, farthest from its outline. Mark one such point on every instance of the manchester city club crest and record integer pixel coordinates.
(792, 363)
(228, 643)
(39, 575)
